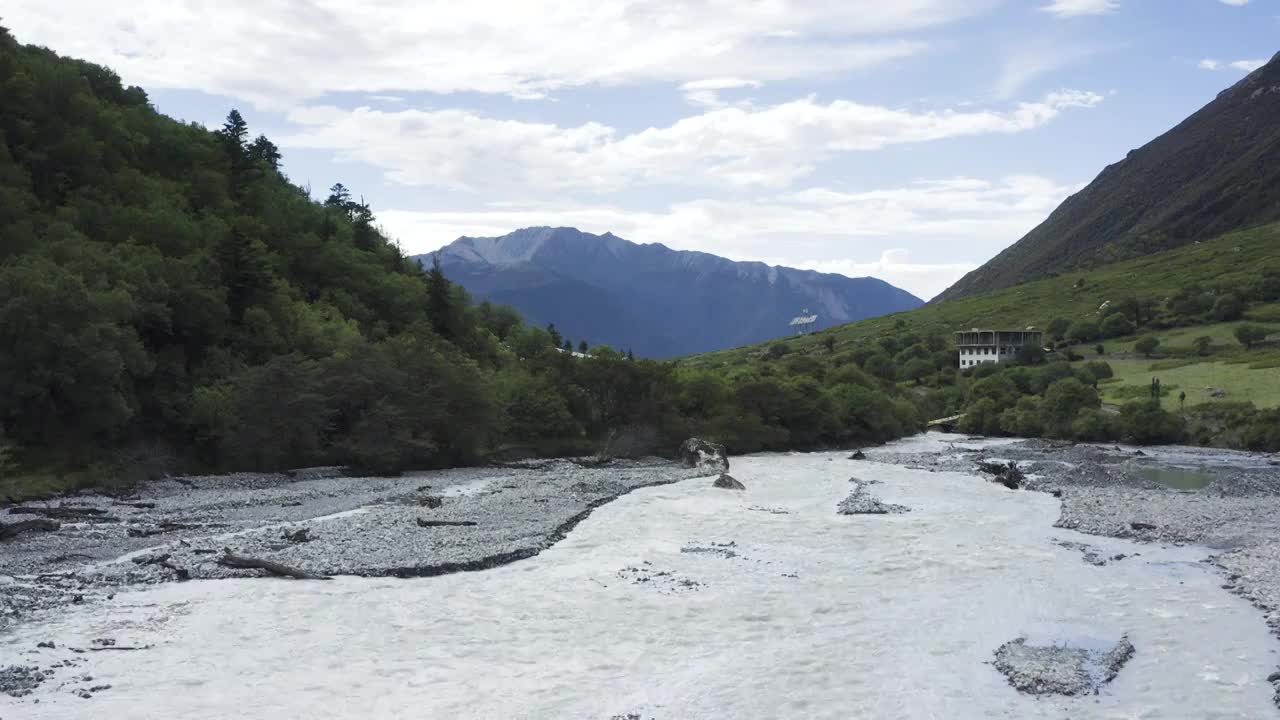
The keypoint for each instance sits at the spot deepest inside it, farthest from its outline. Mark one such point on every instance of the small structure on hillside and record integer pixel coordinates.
(992, 346)
(804, 323)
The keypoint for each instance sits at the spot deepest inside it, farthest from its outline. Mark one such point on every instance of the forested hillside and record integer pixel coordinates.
(169, 302)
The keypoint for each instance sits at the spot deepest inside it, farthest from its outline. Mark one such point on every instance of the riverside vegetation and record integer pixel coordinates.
(1202, 318)
(170, 302)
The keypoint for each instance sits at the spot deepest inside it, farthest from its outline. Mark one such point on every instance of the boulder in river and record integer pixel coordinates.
(861, 502)
(728, 482)
(1007, 474)
(1060, 669)
(698, 453)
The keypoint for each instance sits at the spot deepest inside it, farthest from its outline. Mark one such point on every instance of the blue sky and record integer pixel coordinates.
(908, 140)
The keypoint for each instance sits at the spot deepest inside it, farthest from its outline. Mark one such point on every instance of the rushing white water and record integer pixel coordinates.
(817, 616)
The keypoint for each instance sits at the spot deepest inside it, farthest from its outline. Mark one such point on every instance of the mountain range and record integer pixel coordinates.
(653, 300)
(1217, 171)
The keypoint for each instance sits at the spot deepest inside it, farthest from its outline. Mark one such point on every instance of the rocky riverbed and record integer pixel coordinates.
(316, 522)
(681, 600)
(1226, 500)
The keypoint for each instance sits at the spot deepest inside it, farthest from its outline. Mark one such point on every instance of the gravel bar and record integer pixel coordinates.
(313, 521)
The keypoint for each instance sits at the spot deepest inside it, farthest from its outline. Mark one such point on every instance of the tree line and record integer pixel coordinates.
(170, 301)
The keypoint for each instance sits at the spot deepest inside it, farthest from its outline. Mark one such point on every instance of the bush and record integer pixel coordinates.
(1147, 345)
(1202, 344)
(1058, 328)
(1144, 422)
(981, 418)
(1094, 425)
(917, 369)
(1023, 419)
(777, 351)
(999, 389)
(1063, 402)
(1116, 325)
(1100, 349)
(1083, 331)
(1249, 335)
(1228, 307)
(881, 366)
(1099, 370)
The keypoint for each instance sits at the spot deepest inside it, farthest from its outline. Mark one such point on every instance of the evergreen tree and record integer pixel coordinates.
(439, 302)
(339, 197)
(556, 339)
(235, 132)
(263, 150)
(583, 347)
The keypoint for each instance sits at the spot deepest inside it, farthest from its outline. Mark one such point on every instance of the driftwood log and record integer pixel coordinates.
(445, 523)
(232, 560)
(62, 512)
(13, 530)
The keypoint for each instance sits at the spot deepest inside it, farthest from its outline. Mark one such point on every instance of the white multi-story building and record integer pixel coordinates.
(993, 346)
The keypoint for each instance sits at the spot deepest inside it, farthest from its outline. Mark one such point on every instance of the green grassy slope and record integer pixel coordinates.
(1233, 259)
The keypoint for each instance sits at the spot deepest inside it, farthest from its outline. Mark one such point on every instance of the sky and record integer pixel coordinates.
(908, 140)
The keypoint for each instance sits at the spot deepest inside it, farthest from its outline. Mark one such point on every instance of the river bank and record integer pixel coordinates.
(677, 600)
(315, 521)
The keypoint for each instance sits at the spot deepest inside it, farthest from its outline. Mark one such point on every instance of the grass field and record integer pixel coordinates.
(1260, 386)
(1233, 258)
(1179, 341)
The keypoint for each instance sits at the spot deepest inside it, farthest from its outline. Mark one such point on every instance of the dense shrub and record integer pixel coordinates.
(1144, 422)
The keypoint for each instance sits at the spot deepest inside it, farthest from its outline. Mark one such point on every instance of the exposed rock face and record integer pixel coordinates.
(728, 482)
(703, 455)
(862, 502)
(1060, 669)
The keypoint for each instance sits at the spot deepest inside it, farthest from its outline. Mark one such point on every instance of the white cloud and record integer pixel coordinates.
(1242, 65)
(1076, 8)
(706, 93)
(1248, 65)
(277, 54)
(733, 146)
(1234, 3)
(961, 221)
(1028, 60)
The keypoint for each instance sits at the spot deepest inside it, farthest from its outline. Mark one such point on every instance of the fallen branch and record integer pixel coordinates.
(61, 512)
(247, 563)
(12, 530)
(445, 523)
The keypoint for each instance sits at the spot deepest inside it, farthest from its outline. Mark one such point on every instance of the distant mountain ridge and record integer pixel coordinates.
(1217, 171)
(654, 300)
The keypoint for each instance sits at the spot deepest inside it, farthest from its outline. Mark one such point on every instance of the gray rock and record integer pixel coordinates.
(862, 502)
(728, 482)
(703, 455)
(20, 680)
(1060, 669)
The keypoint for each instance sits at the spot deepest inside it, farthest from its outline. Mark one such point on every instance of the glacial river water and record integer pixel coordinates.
(684, 602)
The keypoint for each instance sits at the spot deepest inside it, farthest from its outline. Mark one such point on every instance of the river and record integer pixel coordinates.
(686, 601)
